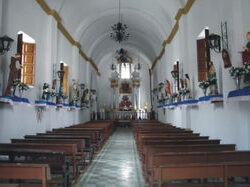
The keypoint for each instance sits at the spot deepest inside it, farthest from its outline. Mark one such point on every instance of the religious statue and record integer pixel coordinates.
(74, 92)
(93, 100)
(85, 96)
(246, 51)
(46, 92)
(212, 78)
(247, 47)
(168, 88)
(15, 67)
(187, 85)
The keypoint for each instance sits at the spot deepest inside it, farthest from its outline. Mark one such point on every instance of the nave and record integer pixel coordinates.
(117, 164)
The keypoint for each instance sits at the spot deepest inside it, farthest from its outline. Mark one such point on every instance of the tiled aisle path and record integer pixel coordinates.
(117, 165)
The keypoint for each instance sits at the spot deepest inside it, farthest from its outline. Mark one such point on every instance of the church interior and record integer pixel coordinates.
(124, 93)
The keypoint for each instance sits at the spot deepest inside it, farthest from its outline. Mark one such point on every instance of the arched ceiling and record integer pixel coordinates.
(89, 22)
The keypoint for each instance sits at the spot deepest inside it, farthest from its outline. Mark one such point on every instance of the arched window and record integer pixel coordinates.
(125, 70)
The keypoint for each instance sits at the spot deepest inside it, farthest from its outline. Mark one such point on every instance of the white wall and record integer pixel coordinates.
(228, 121)
(51, 47)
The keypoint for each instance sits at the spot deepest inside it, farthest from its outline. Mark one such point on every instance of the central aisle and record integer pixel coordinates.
(117, 165)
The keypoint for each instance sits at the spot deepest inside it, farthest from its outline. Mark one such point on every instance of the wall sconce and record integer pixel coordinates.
(214, 42)
(5, 44)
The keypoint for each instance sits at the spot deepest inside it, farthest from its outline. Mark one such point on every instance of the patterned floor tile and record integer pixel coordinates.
(117, 165)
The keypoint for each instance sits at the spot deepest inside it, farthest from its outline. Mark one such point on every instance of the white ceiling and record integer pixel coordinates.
(90, 21)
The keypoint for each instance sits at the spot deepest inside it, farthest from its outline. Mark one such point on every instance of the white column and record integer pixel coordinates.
(51, 50)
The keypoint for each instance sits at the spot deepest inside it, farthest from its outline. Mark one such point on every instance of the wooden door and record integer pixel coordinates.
(202, 61)
(28, 63)
(65, 79)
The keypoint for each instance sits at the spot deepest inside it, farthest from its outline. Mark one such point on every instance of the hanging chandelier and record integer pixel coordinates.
(119, 30)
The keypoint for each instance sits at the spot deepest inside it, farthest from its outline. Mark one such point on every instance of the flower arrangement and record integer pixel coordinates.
(181, 92)
(125, 102)
(16, 82)
(174, 95)
(53, 94)
(20, 85)
(204, 84)
(237, 72)
(247, 68)
(186, 91)
(23, 87)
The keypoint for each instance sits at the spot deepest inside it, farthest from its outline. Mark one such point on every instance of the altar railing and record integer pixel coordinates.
(127, 115)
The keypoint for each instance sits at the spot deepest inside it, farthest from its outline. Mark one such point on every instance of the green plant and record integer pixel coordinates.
(247, 68)
(23, 87)
(53, 94)
(237, 72)
(186, 91)
(174, 95)
(204, 84)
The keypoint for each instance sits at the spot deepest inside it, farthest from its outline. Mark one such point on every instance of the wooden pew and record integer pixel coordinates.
(88, 147)
(164, 133)
(177, 142)
(69, 149)
(55, 159)
(79, 142)
(25, 171)
(149, 151)
(164, 159)
(98, 135)
(202, 171)
(107, 126)
(94, 140)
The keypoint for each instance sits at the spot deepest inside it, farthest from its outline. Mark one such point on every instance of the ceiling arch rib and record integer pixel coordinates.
(90, 21)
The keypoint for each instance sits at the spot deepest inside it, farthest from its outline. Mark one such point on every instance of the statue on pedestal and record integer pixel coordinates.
(74, 92)
(247, 47)
(246, 51)
(15, 67)
(213, 79)
(46, 92)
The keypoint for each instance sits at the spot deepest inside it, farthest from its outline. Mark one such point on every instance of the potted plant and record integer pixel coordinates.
(14, 86)
(181, 94)
(186, 93)
(237, 73)
(204, 85)
(22, 87)
(174, 97)
(53, 94)
(247, 75)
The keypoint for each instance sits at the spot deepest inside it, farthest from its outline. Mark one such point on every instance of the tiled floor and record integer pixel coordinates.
(117, 165)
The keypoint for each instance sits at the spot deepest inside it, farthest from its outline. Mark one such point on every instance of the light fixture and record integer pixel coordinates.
(122, 56)
(5, 44)
(119, 30)
(214, 42)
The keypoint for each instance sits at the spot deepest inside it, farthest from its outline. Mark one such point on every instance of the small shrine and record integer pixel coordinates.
(125, 84)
